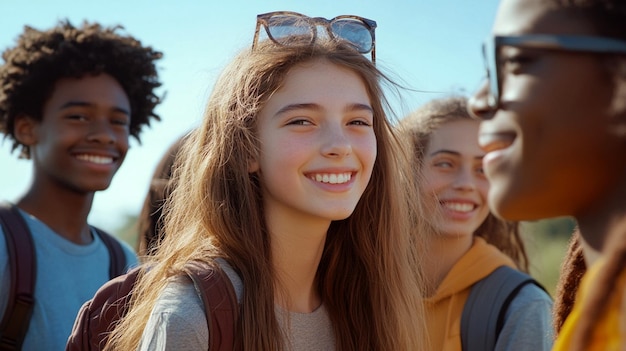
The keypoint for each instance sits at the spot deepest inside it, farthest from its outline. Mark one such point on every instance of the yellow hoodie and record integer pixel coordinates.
(445, 307)
(609, 333)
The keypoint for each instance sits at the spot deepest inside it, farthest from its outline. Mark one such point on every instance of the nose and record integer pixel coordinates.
(101, 131)
(478, 104)
(336, 142)
(465, 179)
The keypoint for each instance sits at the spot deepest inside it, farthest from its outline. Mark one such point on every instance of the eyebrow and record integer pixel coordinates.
(317, 107)
(454, 153)
(87, 104)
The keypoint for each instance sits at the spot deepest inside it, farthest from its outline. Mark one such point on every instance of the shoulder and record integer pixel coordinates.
(528, 321)
(233, 276)
(129, 253)
(514, 293)
(532, 301)
(531, 293)
(180, 298)
(177, 319)
(531, 304)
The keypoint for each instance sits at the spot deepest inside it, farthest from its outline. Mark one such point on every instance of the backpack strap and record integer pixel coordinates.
(98, 316)
(220, 303)
(485, 309)
(22, 265)
(117, 262)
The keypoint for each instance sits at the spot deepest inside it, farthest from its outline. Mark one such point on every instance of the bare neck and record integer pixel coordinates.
(296, 254)
(64, 211)
(602, 217)
(442, 253)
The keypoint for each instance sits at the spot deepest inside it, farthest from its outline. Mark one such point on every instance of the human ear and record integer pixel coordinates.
(24, 129)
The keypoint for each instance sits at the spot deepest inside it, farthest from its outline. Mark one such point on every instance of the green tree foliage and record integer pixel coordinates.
(546, 242)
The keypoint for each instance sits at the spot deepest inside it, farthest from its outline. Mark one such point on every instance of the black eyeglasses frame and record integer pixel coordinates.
(572, 43)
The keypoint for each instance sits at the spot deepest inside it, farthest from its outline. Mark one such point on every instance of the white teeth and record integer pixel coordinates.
(332, 178)
(95, 159)
(459, 207)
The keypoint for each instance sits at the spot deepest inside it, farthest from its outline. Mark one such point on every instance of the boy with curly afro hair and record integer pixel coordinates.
(70, 98)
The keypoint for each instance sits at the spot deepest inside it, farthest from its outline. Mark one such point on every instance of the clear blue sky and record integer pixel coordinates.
(431, 45)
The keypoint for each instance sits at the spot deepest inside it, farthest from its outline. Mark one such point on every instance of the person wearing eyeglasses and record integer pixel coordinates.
(290, 186)
(554, 130)
(472, 251)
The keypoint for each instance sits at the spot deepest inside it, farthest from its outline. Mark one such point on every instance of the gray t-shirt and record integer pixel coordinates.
(178, 322)
(528, 316)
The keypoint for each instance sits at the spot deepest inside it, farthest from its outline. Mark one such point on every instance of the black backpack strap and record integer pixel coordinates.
(485, 308)
(220, 303)
(117, 265)
(22, 265)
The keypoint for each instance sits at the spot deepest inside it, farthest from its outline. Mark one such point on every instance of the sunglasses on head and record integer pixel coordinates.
(281, 27)
(572, 43)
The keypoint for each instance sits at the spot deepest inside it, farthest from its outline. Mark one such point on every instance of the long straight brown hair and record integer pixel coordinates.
(368, 277)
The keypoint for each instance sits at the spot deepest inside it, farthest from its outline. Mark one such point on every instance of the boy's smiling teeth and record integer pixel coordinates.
(95, 159)
(332, 178)
(459, 207)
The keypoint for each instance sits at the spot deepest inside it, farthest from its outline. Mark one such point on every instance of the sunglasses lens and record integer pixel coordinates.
(355, 32)
(283, 28)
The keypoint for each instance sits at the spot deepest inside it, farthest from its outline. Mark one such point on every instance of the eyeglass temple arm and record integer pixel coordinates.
(256, 33)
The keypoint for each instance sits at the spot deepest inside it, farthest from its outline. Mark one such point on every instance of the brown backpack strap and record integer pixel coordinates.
(117, 263)
(22, 265)
(220, 303)
(97, 317)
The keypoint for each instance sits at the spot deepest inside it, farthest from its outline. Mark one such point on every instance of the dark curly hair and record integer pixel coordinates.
(573, 268)
(41, 58)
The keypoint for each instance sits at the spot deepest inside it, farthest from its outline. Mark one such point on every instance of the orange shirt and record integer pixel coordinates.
(445, 307)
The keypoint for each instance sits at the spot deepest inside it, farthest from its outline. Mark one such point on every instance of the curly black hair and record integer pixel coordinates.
(41, 58)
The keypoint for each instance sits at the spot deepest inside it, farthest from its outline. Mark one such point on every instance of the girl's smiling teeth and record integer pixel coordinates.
(332, 178)
(95, 159)
(459, 206)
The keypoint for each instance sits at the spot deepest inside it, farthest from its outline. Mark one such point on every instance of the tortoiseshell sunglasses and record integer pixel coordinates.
(283, 25)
